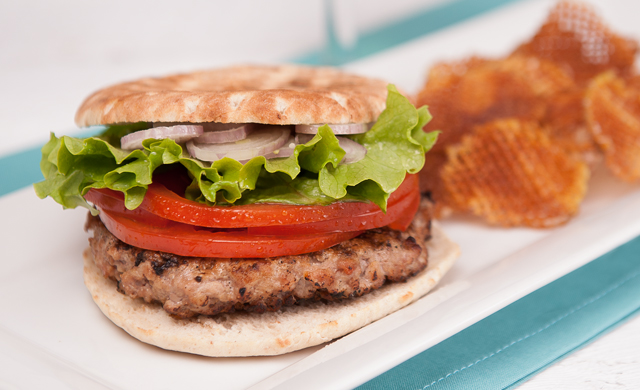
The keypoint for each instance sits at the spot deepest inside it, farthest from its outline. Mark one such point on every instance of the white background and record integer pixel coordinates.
(55, 53)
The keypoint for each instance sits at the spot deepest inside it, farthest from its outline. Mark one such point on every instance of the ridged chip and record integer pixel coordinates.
(510, 172)
(463, 94)
(575, 37)
(613, 115)
(566, 124)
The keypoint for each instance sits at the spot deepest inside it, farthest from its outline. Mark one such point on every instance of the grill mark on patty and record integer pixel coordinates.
(166, 261)
(139, 258)
(188, 286)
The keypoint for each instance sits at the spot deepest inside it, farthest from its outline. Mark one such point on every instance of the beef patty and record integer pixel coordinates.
(190, 286)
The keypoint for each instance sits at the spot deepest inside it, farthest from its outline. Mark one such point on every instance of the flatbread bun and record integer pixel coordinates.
(279, 95)
(273, 333)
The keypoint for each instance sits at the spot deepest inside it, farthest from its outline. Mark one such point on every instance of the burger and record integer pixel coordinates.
(250, 210)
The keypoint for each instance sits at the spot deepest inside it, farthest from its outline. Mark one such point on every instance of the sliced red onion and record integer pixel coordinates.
(302, 138)
(262, 141)
(178, 133)
(236, 133)
(349, 128)
(285, 151)
(354, 152)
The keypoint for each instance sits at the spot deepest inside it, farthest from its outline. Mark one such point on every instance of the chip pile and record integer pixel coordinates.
(519, 134)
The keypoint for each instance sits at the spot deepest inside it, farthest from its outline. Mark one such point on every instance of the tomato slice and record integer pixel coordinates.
(398, 216)
(169, 223)
(167, 204)
(406, 217)
(148, 231)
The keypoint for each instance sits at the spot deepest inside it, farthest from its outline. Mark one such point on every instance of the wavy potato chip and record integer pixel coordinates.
(509, 172)
(613, 115)
(463, 94)
(566, 124)
(575, 37)
(440, 94)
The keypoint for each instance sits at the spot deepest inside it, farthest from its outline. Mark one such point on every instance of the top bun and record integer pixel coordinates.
(279, 95)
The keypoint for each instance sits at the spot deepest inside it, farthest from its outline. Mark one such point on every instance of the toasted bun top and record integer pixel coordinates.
(280, 95)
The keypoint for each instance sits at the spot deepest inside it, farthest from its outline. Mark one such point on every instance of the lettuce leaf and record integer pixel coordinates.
(395, 145)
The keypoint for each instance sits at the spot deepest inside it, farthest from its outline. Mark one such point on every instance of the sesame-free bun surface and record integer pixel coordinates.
(271, 333)
(279, 95)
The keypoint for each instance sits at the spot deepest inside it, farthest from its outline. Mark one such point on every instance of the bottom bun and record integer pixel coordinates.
(272, 333)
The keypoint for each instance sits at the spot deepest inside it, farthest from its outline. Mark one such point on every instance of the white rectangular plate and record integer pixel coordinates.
(53, 336)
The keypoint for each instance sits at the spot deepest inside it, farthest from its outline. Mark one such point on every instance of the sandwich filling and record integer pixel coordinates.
(191, 286)
(314, 174)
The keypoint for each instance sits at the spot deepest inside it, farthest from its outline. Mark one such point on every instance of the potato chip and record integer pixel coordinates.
(440, 95)
(575, 37)
(613, 115)
(510, 172)
(566, 124)
(463, 94)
